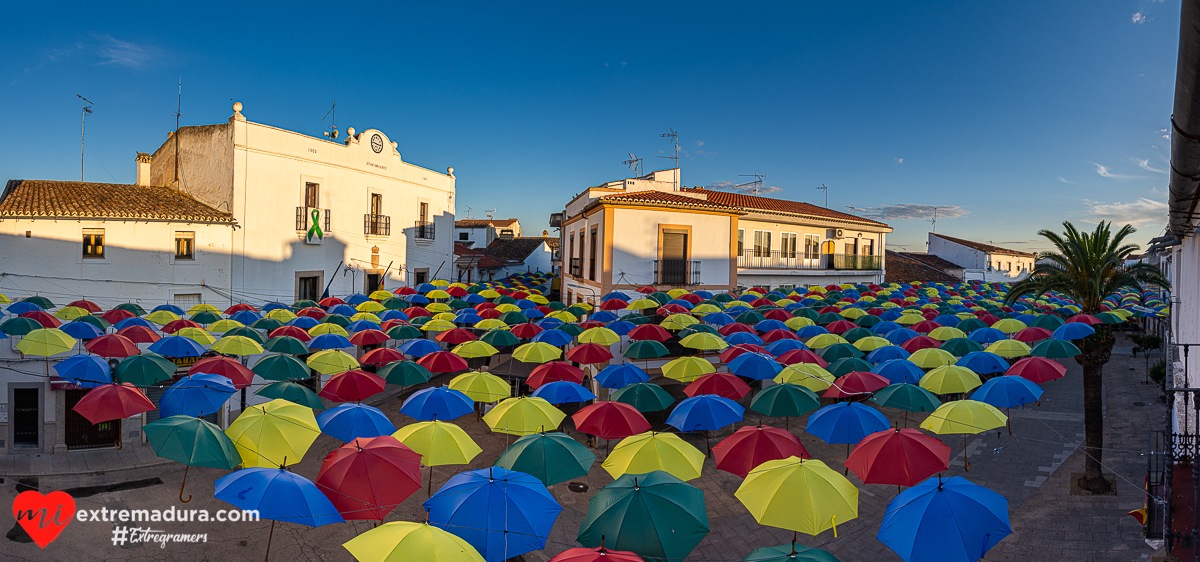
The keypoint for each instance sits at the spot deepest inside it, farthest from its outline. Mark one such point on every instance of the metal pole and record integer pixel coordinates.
(82, 139)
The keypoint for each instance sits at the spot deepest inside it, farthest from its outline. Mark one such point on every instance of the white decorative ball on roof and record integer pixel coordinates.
(237, 107)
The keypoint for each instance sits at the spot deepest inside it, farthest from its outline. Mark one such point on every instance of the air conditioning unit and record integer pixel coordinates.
(839, 233)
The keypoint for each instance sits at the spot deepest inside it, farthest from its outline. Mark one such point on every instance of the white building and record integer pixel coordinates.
(982, 261)
(479, 233)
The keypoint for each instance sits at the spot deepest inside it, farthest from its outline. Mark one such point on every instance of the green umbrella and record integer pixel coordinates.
(505, 299)
(971, 324)
(459, 304)
(572, 329)
(205, 317)
(1055, 349)
(785, 401)
(130, 306)
(248, 332)
(286, 344)
(577, 310)
(266, 324)
(145, 369)
(961, 346)
(840, 351)
(829, 318)
(807, 313)
(193, 442)
(647, 349)
(750, 318)
(1109, 318)
(394, 303)
(868, 320)
(404, 373)
(790, 553)
(697, 329)
(1047, 321)
(420, 320)
(100, 323)
(723, 297)
(659, 297)
(637, 319)
(281, 368)
(848, 365)
(292, 392)
(907, 397)
(19, 326)
(513, 317)
(500, 338)
(404, 332)
(556, 305)
(858, 333)
(655, 515)
(302, 304)
(549, 457)
(644, 396)
(338, 319)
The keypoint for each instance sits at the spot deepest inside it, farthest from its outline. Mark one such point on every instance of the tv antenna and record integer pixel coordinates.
(87, 108)
(634, 163)
(332, 133)
(753, 185)
(674, 136)
(826, 190)
(933, 220)
(469, 214)
(490, 213)
(177, 114)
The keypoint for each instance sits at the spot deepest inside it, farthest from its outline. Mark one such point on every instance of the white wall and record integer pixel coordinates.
(1184, 271)
(477, 237)
(635, 243)
(967, 258)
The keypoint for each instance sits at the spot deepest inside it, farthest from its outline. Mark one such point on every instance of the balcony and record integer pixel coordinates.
(778, 259)
(424, 230)
(576, 267)
(676, 272)
(377, 225)
(858, 262)
(303, 215)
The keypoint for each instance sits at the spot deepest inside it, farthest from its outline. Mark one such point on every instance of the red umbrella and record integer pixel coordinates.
(902, 457)
(645, 290)
(113, 402)
(1082, 318)
(733, 351)
(313, 312)
(352, 386)
(525, 330)
(793, 356)
(330, 301)
(692, 298)
(753, 445)
(490, 313)
(42, 317)
(735, 328)
(405, 291)
(778, 314)
(596, 554)
(650, 332)
(112, 345)
(389, 324)
(1032, 334)
(176, 325)
(519, 295)
(138, 334)
(925, 326)
(610, 420)
(589, 353)
(590, 324)
(669, 309)
(725, 385)
(762, 302)
(226, 367)
(116, 315)
(294, 331)
(455, 336)
(381, 356)
(443, 362)
(554, 371)
(86, 305)
(456, 292)
(613, 304)
(856, 383)
(841, 326)
(1036, 369)
(920, 342)
(415, 311)
(779, 334)
(368, 477)
(368, 337)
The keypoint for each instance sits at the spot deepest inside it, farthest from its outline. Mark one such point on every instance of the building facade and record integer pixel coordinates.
(480, 233)
(982, 261)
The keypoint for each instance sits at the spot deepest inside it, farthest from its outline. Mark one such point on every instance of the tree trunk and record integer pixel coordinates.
(1096, 351)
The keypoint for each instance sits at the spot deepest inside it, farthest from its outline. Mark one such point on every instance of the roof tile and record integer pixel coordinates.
(743, 201)
(50, 198)
(988, 248)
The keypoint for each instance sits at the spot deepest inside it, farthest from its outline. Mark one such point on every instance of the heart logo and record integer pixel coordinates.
(43, 516)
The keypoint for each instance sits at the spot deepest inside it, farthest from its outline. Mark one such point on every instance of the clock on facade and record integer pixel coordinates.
(377, 143)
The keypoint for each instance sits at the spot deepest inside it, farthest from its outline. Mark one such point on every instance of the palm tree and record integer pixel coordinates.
(1089, 267)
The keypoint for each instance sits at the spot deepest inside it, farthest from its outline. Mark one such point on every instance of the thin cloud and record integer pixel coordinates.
(1064, 180)
(1145, 165)
(1139, 18)
(898, 160)
(910, 211)
(115, 52)
(742, 188)
(699, 144)
(1165, 134)
(1138, 212)
(1104, 173)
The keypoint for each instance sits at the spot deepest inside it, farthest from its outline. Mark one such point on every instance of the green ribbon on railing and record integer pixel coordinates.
(315, 229)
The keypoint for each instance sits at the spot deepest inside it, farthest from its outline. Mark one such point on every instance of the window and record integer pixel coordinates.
(307, 288)
(812, 246)
(423, 212)
(741, 242)
(463, 236)
(376, 204)
(93, 243)
(187, 300)
(592, 257)
(312, 192)
(868, 247)
(762, 243)
(787, 244)
(420, 275)
(185, 245)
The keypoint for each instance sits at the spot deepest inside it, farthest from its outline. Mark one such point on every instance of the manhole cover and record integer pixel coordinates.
(577, 487)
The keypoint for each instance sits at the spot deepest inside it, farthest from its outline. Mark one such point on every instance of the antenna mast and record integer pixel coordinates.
(178, 106)
(674, 136)
(933, 220)
(826, 190)
(754, 185)
(87, 108)
(331, 134)
(634, 163)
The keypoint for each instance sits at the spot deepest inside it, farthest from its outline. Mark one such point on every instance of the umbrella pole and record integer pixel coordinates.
(846, 469)
(1008, 421)
(269, 536)
(182, 484)
(429, 492)
(966, 458)
(706, 445)
(905, 419)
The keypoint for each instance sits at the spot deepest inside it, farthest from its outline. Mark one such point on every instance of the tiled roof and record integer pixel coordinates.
(480, 223)
(515, 249)
(743, 201)
(932, 260)
(986, 248)
(460, 250)
(49, 198)
(662, 197)
(903, 269)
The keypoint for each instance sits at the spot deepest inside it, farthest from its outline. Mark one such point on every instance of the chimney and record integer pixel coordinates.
(143, 169)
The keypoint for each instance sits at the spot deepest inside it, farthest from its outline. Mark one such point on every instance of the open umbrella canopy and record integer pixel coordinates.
(536, 352)
(846, 422)
(610, 420)
(550, 457)
(964, 416)
(705, 412)
(523, 416)
(907, 397)
(502, 513)
(719, 384)
(348, 422)
(785, 400)
(475, 349)
(808, 375)
(278, 495)
(196, 395)
(799, 495)
(332, 361)
(855, 383)
(292, 392)
(589, 354)
(282, 368)
(113, 401)
(949, 519)
(404, 373)
(481, 386)
(1008, 391)
(950, 379)
(439, 443)
(441, 362)
(790, 552)
(46, 342)
(646, 397)
(687, 369)
(368, 477)
(192, 441)
(646, 349)
(902, 457)
(1055, 349)
(276, 433)
(554, 371)
(621, 375)
(932, 357)
(650, 451)
(563, 392)
(755, 366)
(405, 540)
(87, 371)
(437, 403)
(352, 386)
(656, 515)
(751, 446)
(599, 554)
(1038, 369)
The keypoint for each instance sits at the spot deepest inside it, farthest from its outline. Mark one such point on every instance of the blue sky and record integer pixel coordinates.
(1009, 116)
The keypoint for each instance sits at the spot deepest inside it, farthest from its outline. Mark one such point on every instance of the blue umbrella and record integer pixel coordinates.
(390, 314)
(525, 304)
(171, 308)
(755, 366)
(419, 348)
(846, 422)
(502, 513)
(1073, 331)
(533, 313)
(899, 371)
(134, 321)
(948, 320)
(705, 412)
(682, 303)
(719, 318)
(899, 336)
(885, 327)
(615, 295)
(946, 520)
(560, 392)
(983, 362)
(425, 287)
(176, 346)
(621, 327)
(549, 323)
(987, 335)
(343, 309)
(303, 322)
(769, 324)
(738, 338)
(351, 421)
(556, 338)
(438, 403)
(779, 347)
(356, 299)
(195, 395)
(603, 316)
(808, 332)
(416, 299)
(81, 330)
(360, 325)
(274, 306)
(246, 317)
(87, 371)
(887, 353)
(621, 375)
(468, 318)
(278, 495)
(1008, 392)
(329, 341)
(21, 307)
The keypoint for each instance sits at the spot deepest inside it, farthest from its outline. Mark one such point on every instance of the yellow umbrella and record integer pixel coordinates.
(797, 322)
(705, 308)
(1009, 348)
(45, 342)
(332, 361)
(440, 283)
(437, 294)
(871, 343)
(854, 313)
(808, 375)
(480, 386)
(704, 341)
(599, 335)
(4, 299)
(507, 307)
(687, 369)
(162, 317)
(676, 293)
(821, 341)
(198, 335)
(437, 325)
(642, 304)
(584, 305)
(1009, 325)
(536, 352)
(399, 541)
(950, 379)
(538, 299)
(932, 357)
(445, 316)
(650, 451)
(273, 434)
(439, 443)
(946, 333)
(564, 316)
(677, 322)
(197, 309)
(328, 329)
(366, 316)
(475, 348)
(369, 306)
(282, 315)
(491, 324)
(381, 295)
(69, 313)
(798, 495)
(237, 345)
(965, 417)
(489, 294)
(438, 307)
(224, 325)
(909, 319)
(524, 416)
